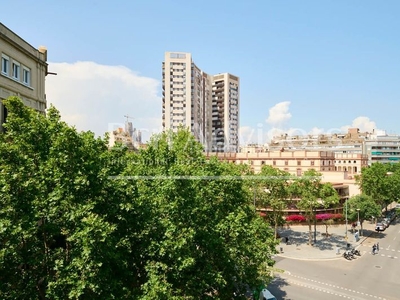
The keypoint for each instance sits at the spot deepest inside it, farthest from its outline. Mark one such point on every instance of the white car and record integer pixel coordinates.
(266, 295)
(380, 227)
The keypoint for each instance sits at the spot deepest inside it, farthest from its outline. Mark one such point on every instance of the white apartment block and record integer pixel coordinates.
(207, 105)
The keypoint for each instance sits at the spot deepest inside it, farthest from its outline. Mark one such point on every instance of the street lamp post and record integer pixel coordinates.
(346, 219)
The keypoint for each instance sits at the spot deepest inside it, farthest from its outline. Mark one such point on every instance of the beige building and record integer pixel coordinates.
(128, 136)
(335, 168)
(23, 72)
(207, 105)
(120, 136)
(350, 163)
(294, 162)
(350, 142)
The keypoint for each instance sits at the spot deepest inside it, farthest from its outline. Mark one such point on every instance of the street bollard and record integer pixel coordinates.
(281, 249)
(337, 250)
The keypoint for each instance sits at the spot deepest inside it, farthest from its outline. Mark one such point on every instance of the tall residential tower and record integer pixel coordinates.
(207, 105)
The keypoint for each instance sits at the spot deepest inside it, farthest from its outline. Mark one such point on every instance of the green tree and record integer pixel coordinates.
(380, 182)
(204, 238)
(80, 221)
(313, 195)
(58, 219)
(274, 192)
(364, 207)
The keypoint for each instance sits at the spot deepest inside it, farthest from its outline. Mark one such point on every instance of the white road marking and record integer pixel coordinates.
(328, 285)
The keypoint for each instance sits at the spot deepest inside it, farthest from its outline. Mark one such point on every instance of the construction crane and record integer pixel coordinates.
(128, 117)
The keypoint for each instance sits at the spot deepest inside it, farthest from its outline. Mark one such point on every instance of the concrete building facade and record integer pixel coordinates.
(294, 162)
(23, 72)
(205, 104)
(383, 148)
(225, 113)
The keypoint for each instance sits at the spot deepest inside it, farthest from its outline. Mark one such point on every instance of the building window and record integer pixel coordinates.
(26, 76)
(5, 64)
(274, 163)
(312, 162)
(299, 162)
(263, 162)
(298, 172)
(15, 69)
(286, 162)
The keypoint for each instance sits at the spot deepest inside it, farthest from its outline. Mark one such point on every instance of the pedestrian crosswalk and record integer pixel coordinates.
(385, 252)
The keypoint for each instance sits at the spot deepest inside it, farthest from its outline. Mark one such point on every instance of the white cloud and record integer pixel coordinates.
(316, 131)
(279, 113)
(246, 135)
(362, 123)
(96, 97)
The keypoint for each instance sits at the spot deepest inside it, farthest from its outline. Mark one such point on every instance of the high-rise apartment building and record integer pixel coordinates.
(207, 105)
(23, 72)
(225, 113)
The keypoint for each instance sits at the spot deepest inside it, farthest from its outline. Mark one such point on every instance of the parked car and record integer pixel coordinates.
(380, 227)
(266, 295)
(385, 223)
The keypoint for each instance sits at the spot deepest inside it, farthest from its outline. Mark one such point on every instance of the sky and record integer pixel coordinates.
(309, 66)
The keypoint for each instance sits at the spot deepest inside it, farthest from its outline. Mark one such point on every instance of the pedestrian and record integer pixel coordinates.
(373, 249)
(377, 246)
(287, 241)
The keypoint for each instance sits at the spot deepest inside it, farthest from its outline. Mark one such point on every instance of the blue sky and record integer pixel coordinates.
(305, 66)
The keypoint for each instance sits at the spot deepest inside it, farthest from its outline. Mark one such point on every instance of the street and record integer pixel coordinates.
(366, 277)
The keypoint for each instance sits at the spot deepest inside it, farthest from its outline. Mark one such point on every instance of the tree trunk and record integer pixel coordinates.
(310, 236)
(275, 226)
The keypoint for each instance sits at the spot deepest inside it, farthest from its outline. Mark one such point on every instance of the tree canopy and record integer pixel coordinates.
(362, 207)
(274, 192)
(313, 195)
(381, 182)
(81, 221)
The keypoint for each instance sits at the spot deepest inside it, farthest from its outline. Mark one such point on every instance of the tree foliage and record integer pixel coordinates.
(381, 182)
(274, 192)
(80, 221)
(363, 207)
(314, 194)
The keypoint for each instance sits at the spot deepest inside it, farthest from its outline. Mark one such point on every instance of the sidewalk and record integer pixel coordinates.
(331, 247)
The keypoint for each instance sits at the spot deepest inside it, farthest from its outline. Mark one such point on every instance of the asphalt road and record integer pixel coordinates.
(366, 277)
